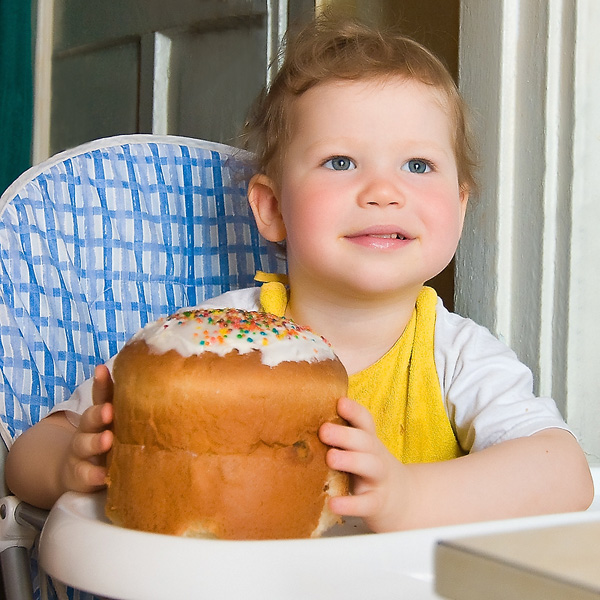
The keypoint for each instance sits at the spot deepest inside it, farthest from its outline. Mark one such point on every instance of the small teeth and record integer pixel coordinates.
(389, 236)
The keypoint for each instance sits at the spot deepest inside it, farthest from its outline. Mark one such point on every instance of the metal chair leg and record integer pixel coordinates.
(16, 574)
(19, 525)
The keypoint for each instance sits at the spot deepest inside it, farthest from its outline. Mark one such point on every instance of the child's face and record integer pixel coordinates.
(368, 190)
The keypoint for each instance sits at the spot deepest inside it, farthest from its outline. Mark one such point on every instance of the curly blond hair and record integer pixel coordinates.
(331, 48)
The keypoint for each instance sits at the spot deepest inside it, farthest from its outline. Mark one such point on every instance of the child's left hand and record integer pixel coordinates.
(507, 480)
(379, 486)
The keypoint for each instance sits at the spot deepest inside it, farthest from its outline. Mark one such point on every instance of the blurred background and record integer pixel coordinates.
(73, 71)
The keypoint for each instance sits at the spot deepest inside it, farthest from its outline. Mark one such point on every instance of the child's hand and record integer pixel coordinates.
(379, 479)
(84, 469)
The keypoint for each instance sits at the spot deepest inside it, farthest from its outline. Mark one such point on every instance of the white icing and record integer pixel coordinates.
(192, 332)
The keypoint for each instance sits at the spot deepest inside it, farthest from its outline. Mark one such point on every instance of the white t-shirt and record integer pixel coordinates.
(487, 391)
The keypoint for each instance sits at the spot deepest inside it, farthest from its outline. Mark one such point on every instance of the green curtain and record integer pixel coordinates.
(16, 89)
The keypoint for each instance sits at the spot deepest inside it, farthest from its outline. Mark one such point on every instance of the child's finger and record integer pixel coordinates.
(89, 477)
(105, 441)
(357, 415)
(347, 438)
(362, 505)
(102, 387)
(96, 418)
(366, 466)
(86, 445)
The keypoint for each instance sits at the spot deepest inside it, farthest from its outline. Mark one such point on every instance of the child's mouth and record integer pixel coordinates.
(379, 239)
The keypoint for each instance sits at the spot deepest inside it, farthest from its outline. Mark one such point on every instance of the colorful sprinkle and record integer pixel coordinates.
(215, 325)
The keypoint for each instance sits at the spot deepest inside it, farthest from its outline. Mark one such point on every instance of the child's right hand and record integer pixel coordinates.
(84, 469)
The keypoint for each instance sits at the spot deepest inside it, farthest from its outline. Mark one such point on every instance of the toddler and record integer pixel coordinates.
(364, 170)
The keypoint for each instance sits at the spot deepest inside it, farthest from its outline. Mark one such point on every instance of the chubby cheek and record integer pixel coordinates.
(307, 231)
(444, 227)
(308, 213)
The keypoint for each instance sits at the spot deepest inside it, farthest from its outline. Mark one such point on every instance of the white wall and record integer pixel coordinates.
(525, 267)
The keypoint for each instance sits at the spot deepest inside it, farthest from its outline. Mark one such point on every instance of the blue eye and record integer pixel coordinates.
(340, 163)
(417, 165)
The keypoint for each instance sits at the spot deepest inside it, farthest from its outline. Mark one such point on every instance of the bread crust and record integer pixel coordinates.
(222, 446)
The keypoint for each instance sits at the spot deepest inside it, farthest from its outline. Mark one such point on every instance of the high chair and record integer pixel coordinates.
(95, 243)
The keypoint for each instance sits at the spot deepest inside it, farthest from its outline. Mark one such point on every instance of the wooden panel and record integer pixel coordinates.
(184, 67)
(95, 94)
(214, 76)
(87, 23)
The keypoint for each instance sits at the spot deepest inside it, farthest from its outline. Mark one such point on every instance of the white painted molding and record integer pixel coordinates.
(525, 266)
(162, 82)
(560, 100)
(42, 80)
(503, 75)
(583, 348)
(277, 23)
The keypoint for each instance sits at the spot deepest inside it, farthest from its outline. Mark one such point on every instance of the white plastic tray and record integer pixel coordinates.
(80, 548)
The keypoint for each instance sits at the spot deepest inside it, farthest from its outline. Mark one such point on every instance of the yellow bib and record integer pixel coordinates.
(401, 390)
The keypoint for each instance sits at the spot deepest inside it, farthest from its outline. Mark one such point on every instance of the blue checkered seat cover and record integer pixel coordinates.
(99, 241)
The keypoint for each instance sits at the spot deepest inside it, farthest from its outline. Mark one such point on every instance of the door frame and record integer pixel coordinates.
(524, 269)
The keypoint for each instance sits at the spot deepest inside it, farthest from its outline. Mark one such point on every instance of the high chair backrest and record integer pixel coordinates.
(100, 240)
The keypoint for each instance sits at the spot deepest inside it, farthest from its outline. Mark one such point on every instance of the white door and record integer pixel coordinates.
(184, 67)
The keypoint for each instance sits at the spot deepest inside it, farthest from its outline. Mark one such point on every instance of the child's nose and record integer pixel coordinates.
(381, 192)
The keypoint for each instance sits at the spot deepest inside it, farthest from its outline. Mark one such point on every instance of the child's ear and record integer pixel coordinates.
(264, 201)
(464, 201)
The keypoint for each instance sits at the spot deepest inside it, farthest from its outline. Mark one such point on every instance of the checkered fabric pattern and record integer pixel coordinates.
(99, 241)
